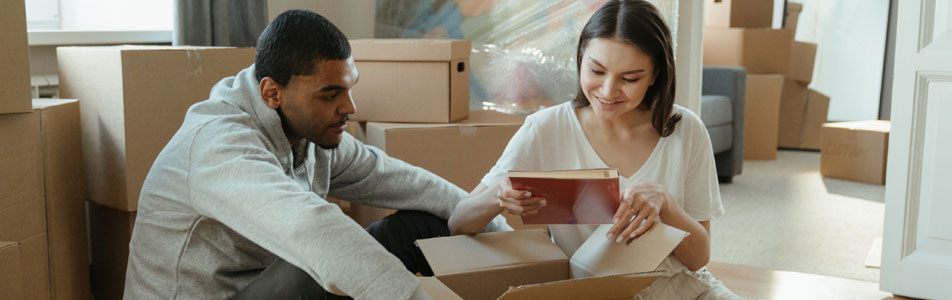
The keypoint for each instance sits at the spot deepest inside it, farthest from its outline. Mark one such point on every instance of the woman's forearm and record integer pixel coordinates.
(474, 212)
(695, 250)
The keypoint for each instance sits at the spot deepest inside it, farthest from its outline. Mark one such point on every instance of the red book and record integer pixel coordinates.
(588, 196)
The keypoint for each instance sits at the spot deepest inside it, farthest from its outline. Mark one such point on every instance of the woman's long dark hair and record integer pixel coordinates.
(639, 23)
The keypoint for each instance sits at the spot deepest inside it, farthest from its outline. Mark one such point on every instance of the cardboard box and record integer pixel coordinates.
(759, 50)
(110, 232)
(802, 57)
(738, 13)
(10, 270)
(855, 151)
(761, 114)
(22, 209)
(793, 105)
(818, 106)
(793, 13)
(65, 208)
(802, 112)
(437, 290)
(411, 80)
(525, 264)
(461, 153)
(34, 259)
(132, 100)
(356, 129)
(15, 91)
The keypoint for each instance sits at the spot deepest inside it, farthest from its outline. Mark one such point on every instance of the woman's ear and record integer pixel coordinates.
(270, 92)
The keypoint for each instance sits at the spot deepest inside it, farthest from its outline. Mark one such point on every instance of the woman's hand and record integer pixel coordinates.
(640, 207)
(517, 202)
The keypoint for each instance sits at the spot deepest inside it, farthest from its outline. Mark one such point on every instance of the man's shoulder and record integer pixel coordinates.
(210, 123)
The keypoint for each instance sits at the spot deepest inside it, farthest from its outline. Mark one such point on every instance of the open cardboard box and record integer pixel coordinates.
(526, 264)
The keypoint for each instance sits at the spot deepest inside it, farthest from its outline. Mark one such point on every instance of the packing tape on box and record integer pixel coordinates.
(194, 62)
(467, 130)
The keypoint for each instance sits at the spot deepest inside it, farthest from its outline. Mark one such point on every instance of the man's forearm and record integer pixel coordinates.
(474, 212)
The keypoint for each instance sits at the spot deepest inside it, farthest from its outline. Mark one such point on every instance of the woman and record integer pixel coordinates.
(624, 117)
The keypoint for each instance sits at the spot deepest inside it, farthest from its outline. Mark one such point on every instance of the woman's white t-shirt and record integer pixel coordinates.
(683, 162)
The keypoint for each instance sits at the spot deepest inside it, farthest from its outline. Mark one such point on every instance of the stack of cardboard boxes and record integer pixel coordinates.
(780, 109)
(413, 102)
(15, 200)
(133, 99)
(43, 248)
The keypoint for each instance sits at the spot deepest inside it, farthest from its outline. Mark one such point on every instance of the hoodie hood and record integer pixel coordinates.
(243, 91)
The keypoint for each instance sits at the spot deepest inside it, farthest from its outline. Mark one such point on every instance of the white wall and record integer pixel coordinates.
(851, 40)
(354, 17)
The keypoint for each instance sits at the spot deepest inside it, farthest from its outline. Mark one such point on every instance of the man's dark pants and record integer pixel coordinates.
(397, 233)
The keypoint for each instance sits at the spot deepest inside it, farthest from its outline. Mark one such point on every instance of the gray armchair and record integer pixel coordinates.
(722, 111)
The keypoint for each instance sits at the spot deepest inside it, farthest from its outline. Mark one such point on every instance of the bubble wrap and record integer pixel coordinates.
(523, 55)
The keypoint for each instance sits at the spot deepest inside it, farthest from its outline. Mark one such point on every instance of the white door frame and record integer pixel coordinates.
(689, 66)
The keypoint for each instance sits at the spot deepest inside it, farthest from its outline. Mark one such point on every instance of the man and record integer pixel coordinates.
(234, 206)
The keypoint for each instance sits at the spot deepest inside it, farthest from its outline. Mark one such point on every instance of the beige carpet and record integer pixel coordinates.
(783, 215)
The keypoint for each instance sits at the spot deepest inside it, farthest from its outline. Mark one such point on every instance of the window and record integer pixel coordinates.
(43, 14)
(99, 15)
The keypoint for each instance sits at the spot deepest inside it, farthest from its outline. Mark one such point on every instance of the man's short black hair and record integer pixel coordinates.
(294, 42)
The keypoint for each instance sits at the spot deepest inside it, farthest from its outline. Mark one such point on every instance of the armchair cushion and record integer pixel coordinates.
(722, 111)
(717, 115)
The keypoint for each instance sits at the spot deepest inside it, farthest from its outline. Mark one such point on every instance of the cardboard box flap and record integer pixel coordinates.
(624, 286)
(409, 49)
(569, 237)
(464, 253)
(599, 256)
(870, 125)
(437, 290)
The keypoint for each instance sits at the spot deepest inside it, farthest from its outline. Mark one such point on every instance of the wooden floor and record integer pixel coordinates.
(754, 283)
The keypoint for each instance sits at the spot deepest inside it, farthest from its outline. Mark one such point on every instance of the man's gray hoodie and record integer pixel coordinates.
(229, 195)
